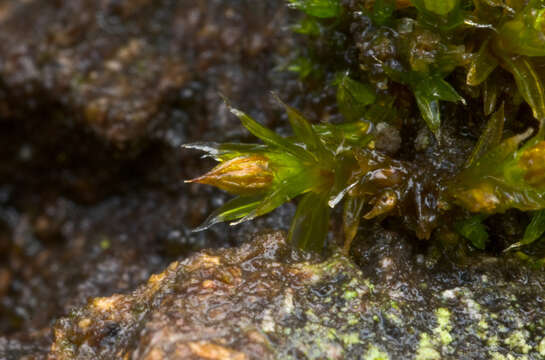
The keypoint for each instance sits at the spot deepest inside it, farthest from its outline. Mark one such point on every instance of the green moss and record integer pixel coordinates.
(401, 65)
(474, 230)
(318, 8)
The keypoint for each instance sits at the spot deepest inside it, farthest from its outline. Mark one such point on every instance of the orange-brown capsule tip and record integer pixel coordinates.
(243, 175)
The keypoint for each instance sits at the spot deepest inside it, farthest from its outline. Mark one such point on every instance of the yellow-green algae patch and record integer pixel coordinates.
(374, 353)
(429, 345)
(442, 331)
(426, 349)
(541, 347)
(517, 341)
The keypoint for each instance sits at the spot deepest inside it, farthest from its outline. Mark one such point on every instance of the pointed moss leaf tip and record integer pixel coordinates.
(231, 210)
(533, 232)
(337, 198)
(318, 8)
(482, 65)
(269, 137)
(209, 148)
(303, 130)
(267, 204)
(428, 93)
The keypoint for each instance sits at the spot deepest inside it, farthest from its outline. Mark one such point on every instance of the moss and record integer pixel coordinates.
(105, 243)
(394, 319)
(396, 67)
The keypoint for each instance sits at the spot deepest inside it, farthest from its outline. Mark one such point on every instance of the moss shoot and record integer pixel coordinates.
(443, 110)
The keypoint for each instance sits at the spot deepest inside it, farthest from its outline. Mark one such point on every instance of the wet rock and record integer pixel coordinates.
(12, 349)
(256, 302)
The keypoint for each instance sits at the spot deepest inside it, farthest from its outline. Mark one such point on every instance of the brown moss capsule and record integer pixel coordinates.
(243, 175)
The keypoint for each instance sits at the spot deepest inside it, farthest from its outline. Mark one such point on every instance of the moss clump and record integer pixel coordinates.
(399, 67)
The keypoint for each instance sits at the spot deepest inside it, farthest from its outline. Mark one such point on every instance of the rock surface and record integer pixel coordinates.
(259, 302)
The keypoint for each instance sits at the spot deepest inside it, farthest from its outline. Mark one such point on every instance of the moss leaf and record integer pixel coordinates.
(490, 95)
(318, 8)
(490, 138)
(309, 226)
(303, 66)
(353, 208)
(234, 209)
(382, 11)
(533, 231)
(353, 96)
(270, 138)
(525, 34)
(307, 26)
(474, 230)
(244, 175)
(429, 107)
(444, 14)
(428, 92)
(440, 7)
(482, 65)
(304, 132)
(529, 84)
